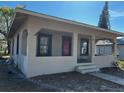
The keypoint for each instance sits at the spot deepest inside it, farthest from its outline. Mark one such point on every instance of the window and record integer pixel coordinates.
(44, 45)
(17, 47)
(66, 46)
(84, 45)
(103, 50)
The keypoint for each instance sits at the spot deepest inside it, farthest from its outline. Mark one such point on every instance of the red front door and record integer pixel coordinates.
(66, 46)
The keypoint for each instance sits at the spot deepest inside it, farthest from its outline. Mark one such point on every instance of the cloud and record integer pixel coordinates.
(116, 13)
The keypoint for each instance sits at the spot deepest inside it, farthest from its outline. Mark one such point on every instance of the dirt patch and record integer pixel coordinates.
(74, 81)
(71, 81)
(15, 81)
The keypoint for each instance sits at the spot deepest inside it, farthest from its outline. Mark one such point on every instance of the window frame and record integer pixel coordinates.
(49, 36)
(70, 45)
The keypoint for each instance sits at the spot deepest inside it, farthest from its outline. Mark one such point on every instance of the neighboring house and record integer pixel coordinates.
(104, 47)
(120, 47)
(42, 44)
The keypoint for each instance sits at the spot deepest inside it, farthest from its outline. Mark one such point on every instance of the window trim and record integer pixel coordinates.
(49, 36)
(87, 53)
(70, 45)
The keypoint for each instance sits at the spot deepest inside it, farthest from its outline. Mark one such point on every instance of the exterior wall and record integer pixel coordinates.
(49, 65)
(20, 59)
(104, 61)
(120, 51)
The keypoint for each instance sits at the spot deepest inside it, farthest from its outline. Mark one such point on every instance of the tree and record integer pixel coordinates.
(104, 18)
(6, 17)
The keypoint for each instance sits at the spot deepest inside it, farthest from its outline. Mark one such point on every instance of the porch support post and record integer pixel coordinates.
(75, 44)
(93, 48)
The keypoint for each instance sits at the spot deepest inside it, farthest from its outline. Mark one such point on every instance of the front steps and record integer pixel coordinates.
(86, 68)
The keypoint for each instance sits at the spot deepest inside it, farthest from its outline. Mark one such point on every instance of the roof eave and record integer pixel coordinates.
(118, 34)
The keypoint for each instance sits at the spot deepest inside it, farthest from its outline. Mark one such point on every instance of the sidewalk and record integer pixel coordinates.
(108, 77)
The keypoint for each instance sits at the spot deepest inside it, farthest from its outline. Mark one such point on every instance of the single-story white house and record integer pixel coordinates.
(43, 44)
(120, 47)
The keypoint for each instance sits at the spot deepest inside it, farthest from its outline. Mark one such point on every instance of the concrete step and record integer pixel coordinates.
(84, 64)
(87, 68)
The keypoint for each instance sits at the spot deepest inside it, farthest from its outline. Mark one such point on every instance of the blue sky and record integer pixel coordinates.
(82, 11)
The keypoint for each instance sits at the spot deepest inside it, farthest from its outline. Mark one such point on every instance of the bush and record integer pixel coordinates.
(120, 64)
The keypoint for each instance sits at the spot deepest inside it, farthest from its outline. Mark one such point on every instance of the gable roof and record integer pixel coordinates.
(119, 41)
(103, 43)
(25, 13)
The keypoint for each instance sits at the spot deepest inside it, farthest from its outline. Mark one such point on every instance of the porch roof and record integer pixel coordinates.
(22, 14)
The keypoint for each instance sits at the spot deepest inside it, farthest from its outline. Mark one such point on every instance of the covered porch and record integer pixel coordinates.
(87, 49)
(82, 47)
(88, 59)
